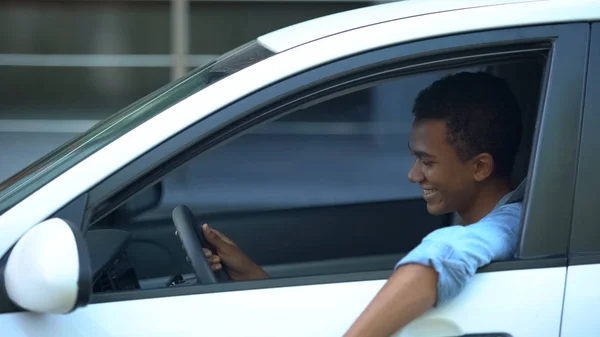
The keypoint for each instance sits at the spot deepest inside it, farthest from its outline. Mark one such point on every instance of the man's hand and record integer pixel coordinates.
(239, 266)
(409, 293)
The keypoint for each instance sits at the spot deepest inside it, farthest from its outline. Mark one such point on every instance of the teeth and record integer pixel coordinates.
(428, 192)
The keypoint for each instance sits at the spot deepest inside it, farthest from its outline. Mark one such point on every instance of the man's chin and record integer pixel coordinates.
(436, 209)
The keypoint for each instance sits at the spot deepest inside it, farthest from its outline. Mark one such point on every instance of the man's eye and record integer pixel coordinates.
(427, 163)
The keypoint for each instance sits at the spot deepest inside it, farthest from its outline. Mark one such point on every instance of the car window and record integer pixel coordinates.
(21, 184)
(320, 190)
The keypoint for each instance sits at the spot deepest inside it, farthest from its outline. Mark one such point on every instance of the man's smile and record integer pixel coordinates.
(428, 192)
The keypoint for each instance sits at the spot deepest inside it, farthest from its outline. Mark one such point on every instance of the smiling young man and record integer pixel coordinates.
(464, 137)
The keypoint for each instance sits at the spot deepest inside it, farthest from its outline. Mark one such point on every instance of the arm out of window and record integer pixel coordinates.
(437, 270)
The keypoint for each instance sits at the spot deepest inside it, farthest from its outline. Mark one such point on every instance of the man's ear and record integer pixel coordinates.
(484, 166)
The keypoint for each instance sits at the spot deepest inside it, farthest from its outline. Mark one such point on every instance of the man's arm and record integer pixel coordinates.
(410, 292)
(437, 270)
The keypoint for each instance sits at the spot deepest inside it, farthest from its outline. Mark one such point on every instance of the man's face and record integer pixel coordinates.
(447, 182)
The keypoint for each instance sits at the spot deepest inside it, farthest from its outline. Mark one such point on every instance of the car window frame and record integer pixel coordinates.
(557, 127)
(567, 42)
(584, 243)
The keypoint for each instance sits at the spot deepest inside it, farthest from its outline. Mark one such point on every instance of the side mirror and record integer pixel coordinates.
(141, 202)
(49, 270)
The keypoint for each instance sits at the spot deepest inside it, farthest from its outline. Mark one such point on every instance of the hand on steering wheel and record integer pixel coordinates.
(226, 253)
(192, 238)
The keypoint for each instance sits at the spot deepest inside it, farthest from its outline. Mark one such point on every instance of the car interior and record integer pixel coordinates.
(320, 191)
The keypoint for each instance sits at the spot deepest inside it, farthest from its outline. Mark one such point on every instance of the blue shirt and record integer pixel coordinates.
(456, 252)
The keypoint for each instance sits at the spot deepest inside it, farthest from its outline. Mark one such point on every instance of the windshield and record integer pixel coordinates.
(28, 180)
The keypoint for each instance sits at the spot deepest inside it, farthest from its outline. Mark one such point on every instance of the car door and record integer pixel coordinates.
(521, 297)
(582, 294)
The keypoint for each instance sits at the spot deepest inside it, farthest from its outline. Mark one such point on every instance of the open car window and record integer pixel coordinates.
(318, 189)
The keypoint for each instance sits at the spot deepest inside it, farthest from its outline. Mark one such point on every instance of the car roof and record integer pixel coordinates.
(304, 32)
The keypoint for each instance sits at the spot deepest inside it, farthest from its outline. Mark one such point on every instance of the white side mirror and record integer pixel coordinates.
(49, 270)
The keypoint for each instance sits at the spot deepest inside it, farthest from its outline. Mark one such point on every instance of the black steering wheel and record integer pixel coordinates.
(193, 241)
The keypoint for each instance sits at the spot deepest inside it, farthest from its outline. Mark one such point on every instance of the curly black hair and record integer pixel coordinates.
(481, 114)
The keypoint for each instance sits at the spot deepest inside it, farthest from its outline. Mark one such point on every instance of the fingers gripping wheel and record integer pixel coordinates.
(185, 224)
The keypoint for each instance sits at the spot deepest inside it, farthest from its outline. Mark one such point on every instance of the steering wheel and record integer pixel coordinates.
(193, 241)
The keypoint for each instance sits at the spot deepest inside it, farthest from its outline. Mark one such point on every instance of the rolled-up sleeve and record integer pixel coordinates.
(457, 252)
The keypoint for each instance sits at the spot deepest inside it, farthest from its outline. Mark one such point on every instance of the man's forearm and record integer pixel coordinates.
(410, 292)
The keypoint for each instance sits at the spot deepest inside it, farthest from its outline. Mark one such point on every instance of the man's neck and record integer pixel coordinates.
(485, 201)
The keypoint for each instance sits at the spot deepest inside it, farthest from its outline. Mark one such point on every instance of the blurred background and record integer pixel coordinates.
(64, 65)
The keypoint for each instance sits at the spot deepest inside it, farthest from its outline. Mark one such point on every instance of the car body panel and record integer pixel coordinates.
(582, 295)
(314, 310)
(428, 13)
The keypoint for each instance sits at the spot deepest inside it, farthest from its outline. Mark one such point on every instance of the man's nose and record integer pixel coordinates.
(414, 174)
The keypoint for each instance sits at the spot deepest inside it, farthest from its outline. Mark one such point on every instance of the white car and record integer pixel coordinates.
(294, 145)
